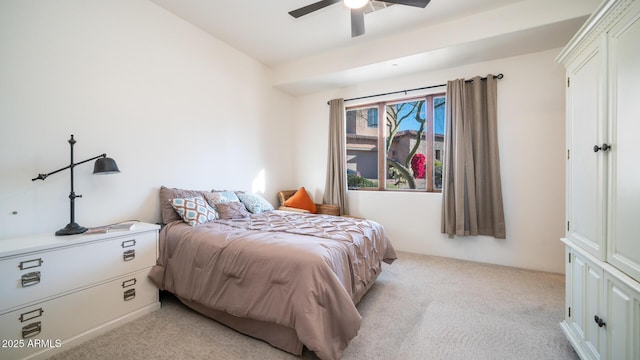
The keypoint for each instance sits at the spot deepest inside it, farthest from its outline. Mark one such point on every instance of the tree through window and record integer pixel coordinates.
(403, 154)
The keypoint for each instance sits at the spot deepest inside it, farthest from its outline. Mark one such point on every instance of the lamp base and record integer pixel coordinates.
(71, 229)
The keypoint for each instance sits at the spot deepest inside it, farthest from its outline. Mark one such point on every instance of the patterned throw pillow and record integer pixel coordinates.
(167, 194)
(232, 210)
(254, 203)
(194, 211)
(220, 197)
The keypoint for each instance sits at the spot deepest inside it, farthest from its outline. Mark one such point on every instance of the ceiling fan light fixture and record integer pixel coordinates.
(355, 4)
(357, 10)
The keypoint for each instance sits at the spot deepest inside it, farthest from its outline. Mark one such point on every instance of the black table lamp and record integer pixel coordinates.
(103, 165)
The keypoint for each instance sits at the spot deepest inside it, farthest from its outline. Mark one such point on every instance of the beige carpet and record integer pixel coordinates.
(421, 307)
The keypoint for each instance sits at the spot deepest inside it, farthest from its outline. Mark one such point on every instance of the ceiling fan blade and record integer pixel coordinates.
(416, 3)
(357, 22)
(311, 8)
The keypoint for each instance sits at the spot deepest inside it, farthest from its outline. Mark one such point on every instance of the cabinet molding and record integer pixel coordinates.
(602, 242)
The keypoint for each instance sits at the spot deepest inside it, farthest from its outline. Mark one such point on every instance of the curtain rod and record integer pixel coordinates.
(499, 76)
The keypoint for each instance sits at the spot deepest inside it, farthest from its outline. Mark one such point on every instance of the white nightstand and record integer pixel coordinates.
(56, 292)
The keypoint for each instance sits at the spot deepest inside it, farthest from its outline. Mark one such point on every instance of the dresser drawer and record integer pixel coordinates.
(51, 324)
(40, 275)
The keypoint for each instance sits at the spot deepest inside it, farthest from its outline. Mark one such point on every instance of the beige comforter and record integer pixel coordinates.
(301, 271)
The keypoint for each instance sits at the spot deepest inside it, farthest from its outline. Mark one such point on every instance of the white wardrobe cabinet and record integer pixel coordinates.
(602, 319)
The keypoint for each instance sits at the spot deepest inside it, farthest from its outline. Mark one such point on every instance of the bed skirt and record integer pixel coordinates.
(279, 336)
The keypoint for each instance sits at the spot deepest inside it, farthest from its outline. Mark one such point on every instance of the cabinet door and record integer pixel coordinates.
(585, 169)
(624, 208)
(586, 302)
(621, 304)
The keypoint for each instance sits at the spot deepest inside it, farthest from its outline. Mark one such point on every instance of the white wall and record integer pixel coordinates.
(172, 105)
(177, 107)
(531, 135)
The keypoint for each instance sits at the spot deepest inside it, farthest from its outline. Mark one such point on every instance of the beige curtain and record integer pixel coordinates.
(472, 190)
(335, 191)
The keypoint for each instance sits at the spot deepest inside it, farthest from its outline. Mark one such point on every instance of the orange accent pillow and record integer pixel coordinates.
(301, 200)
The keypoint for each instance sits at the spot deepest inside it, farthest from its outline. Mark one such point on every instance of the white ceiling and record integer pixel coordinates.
(302, 51)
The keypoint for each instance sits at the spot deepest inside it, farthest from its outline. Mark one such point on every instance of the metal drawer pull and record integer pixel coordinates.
(30, 279)
(128, 243)
(129, 294)
(29, 315)
(31, 329)
(128, 283)
(29, 264)
(129, 255)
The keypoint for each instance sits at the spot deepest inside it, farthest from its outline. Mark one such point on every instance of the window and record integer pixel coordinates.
(372, 117)
(405, 153)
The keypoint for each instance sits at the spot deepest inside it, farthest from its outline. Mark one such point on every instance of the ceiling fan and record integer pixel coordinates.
(357, 10)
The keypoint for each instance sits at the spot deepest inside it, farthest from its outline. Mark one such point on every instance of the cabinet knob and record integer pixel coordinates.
(604, 147)
(599, 321)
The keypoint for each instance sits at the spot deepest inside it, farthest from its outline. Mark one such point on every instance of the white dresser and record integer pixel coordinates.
(602, 318)
(57, 291)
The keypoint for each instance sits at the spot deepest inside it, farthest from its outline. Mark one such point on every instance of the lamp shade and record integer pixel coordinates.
(105, 166)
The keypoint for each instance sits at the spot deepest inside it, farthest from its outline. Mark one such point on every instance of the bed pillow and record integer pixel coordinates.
(220, 197)
(301, 200)
(232, 210)
(167, 194)
(254, 203)
(194, 211)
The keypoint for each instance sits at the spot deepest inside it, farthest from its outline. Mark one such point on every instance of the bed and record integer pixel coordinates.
(290, 279)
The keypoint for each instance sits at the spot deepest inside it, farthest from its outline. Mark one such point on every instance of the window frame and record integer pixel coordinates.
(382, 134)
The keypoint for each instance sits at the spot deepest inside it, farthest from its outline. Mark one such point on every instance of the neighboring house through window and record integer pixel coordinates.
(405, 153)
